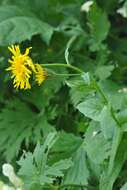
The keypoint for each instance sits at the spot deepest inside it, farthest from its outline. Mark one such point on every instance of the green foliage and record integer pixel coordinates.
(95, 138)
(70, 132)
(103, 72)
(99, 26)
(34, 168)
(91, 108)
(80, 167)
(18, 123)
(12, 17)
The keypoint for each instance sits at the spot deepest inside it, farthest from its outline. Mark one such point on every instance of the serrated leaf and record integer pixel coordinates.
(19, 123)
(39, 150)
(17, 25)
(38, 171)
(27, 165)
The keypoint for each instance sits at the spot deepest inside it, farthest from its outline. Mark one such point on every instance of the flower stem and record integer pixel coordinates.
(64, 65)
(65, 75)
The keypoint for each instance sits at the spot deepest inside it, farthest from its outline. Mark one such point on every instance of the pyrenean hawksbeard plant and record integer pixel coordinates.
(63, 97)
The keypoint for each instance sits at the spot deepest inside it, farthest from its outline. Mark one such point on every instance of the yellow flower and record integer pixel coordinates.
(21, 67)
(40, 74)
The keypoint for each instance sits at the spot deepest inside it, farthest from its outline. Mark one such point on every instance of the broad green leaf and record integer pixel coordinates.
(65, 146)
(78, 174)
(17, 25)
(94, 138)
(91, 108)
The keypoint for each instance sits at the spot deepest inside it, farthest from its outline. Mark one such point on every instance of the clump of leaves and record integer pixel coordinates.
(34, 167)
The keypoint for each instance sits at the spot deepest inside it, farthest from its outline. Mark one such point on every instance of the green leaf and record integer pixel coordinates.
(103, 72)
(17, 25)
(108, 124)
(94, 138)
(78, 174)
(107, 180)
(19, 123)
(58, 168)
(99, 26)
(65, 146)
(38, 171)
(91, 108)
(80, 88)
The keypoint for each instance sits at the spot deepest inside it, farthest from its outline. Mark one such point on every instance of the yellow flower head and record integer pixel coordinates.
(21, 67)
(40, 74)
